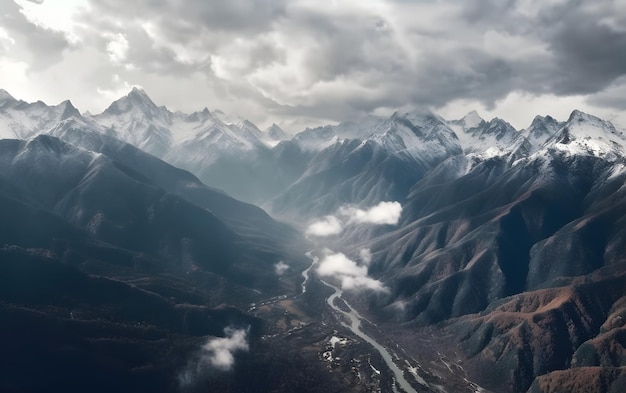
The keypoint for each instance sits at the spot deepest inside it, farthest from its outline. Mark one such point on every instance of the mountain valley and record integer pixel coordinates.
(146, 249)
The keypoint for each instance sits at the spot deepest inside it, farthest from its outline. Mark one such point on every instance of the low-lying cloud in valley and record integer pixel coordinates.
(280, 268)
(217, 353)
(352, 275)
(385, 213)
(366, 256)
(327, 226)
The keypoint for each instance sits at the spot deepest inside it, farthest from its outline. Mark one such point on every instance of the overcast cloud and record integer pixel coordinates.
(305, 62)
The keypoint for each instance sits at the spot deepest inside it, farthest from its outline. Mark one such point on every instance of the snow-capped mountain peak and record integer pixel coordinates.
(5, 96)
(584, 134)
(498, 128)
(421, 135)
(136, 119)
(276, 133)
(543, 124)
(471, 120)
(139, 92)
(581, 117)
(69, 110)
(540, 130)
(136, 100)
(477, 136)
(22, 120)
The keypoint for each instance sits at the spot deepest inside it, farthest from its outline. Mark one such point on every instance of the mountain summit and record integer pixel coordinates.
(503, 264)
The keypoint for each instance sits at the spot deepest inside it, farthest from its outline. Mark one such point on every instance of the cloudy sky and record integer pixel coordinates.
(307, 62)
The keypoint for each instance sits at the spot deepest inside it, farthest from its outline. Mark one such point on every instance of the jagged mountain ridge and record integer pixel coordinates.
(136, 119)
(19, 119)
(233, 157)
(477, 231)
(236, 156)
(499, 227)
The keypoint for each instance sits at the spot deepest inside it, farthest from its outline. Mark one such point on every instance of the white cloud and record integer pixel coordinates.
(383, 213)
(366, 256)
(340, 264)
(327, 226)
(117, 48)
(352, 275)
(361, 282)
(217, 353)
(5, 41)
(298, 63)
(55, 15)
(280, 268)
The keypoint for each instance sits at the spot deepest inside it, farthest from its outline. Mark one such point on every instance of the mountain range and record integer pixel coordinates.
(510, 244)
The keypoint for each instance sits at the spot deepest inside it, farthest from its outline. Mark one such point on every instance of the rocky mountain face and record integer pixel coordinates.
(510, 243)
(518, 257)
(114, 264)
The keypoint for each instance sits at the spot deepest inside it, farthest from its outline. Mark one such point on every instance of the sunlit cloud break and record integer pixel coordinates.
(385, 213)
(352, 275)
(217, 353)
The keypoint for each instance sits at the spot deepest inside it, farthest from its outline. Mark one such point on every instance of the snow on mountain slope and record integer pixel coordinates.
(471, 120)
(462, 125)
(587, 135)
(5, 97)
(212, 139)
(22, 120)
(540, 130)
(488, 139)
(316, 139)
(275, 135)
(361, 128)
(136, 119)
(198, 140)
(319, 138)
(420, 136)
(184, 126)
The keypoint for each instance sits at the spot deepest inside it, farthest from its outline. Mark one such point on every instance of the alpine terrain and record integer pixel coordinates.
(149, 250)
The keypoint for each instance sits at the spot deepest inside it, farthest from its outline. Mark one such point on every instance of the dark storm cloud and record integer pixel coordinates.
(344, 48)
(486, 11)
(43, 47)
(333, 60)
(612, 97)
(179, 37)
(187, 17)
(590, 54)
(585, 52)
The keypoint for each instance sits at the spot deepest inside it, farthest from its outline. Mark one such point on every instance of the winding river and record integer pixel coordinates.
(355, 326)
